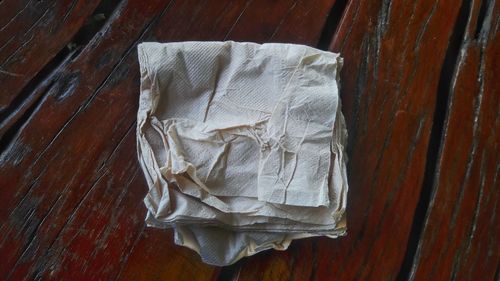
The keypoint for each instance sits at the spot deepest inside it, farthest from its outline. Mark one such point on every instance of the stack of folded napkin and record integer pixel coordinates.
(242, 145)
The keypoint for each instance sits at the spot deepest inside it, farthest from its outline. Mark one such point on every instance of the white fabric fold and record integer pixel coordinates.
(242, 145)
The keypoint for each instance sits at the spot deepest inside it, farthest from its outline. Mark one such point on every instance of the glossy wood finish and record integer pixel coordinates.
(461, 238)
(419, 95)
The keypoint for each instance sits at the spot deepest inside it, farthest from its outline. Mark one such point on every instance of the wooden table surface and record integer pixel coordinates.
(419, 94)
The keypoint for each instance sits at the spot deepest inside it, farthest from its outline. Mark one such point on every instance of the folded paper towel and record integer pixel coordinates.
(242, 145)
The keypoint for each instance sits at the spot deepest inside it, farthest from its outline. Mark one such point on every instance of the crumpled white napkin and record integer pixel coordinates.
(242, 145)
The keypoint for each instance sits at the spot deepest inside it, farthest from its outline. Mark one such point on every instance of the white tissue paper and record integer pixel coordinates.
(242, 145)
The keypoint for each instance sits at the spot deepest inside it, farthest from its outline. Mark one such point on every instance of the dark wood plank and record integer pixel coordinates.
(47, 172)
(71, 197)
(396, 51)
(73, 201)
(393, 54)
(461, 237)
(281, 21)
(32, 33)
(92, 240)
(156, 258)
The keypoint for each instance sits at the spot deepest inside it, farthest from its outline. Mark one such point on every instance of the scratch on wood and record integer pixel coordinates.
(237, 19)
(16, 15)
(11, 73)
(283, 20)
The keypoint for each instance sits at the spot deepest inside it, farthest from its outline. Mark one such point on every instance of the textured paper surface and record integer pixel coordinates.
(241, 145)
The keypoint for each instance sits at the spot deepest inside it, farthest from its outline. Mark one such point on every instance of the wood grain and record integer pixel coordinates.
(33, 32)
(388, 89)
(396, 51)
(51, 174)
(74, 202)
(461, 235)
(71, 188)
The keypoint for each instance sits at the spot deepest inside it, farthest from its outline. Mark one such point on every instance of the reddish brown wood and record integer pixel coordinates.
(156, 258)
(73, 208)
(71, 188)
(389, 106)
(461, 238)
(48, 176)
(393, 56)
(31, 34)
(281, 21)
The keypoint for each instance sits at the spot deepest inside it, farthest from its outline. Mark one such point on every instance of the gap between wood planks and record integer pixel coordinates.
(436, 139)
(25, 104)
(13, 118)
(112, 71)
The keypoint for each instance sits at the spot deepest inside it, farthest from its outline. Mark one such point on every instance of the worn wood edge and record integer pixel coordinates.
(476, 43)
(29, 49)
(57, 91)
(24, 102)
(384, 24)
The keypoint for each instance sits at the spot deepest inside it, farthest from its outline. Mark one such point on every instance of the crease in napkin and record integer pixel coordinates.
(242, 145)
